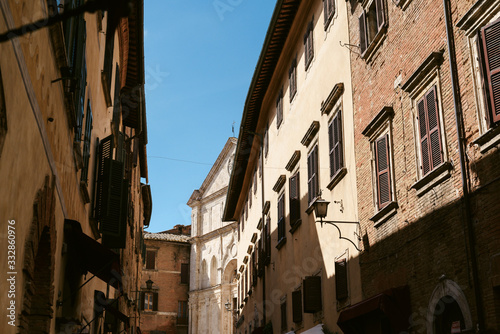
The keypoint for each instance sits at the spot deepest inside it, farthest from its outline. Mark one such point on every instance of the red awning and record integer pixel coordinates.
(91, 255)
(393, 304)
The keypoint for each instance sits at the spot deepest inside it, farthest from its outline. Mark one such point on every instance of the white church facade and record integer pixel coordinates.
(213, 251)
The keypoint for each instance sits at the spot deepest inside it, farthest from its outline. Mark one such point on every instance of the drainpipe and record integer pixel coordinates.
(469, 226)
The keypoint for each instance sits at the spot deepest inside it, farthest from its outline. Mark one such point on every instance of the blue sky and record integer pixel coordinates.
(200, 58)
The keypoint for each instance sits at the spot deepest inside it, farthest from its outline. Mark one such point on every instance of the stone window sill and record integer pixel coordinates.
(385, 213)
(488, 140)
(295, 226)
(337, 177)
(281, 243)
(435, 177)
(375, 44)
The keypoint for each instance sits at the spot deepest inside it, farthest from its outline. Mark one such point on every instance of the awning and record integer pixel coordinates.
(393, 304)
(91, 255)
(318, 329)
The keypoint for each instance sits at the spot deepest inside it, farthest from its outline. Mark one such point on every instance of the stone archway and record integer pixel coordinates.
(447, 304)
(38, 267)
(228, 292)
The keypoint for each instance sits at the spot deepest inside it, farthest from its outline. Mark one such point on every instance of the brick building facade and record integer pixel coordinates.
(72, 156)
(165, 282)
(426, 149)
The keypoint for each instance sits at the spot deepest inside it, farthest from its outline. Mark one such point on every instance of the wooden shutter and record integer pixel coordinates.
(294, 199)
(86, 144)
(150, 259)
(312, 294)
(155, 301)
(491, 38)
(279, 109)
(281, 217)
(297, 306)
(283, 316)
(143, 300)
(335, 141)
(380, 8)
(312, 172)
(105, 151)
(184, 273)
(325, 12)
(430, 137)
(112, 197)
(383, 171)
(341, 279)
(363, 36)
(433, 128)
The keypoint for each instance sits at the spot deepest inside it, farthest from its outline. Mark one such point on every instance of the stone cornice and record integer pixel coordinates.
(215, 233)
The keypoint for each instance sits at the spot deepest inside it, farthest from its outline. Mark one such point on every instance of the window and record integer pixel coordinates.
(150, 301)
(292, 79)
(279, 109)
(86, 144)
(182, 313)
(309, 45)
(372, 23)
(184, 273)
(297, 306)
(328, 10)
(336, 145)
(312, 175)
(294, 200)
(266, 242)
(429, 129)
(107, 70)
(383, 171)
(150, 259)
(489, 37)
(312, 294)
(283, 316)
(341, 279)
(281, 218)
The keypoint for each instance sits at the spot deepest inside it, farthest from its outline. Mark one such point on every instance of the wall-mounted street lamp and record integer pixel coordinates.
(149, 284)
(321, 209)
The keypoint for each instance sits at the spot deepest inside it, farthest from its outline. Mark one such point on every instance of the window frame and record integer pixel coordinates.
(309, 44)
(329, 12)
(148, 263)
(292, 79)
(373, 16)
(294, 199)
(184, 273)
(279, 109)
(336, 164)
(281, 223)
(312, 174)
(341, 279)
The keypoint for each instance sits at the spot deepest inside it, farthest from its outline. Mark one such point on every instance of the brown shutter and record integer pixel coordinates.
(484, 88)
(143, 300)
(283, 316)
(312, 171)
(297, 305)
(335, 141)
(424, 138)
(341, 279)
(294, 199)
(435, 149)
(325, 12)
(383, 171)
(312, 294)
(380, 8)
(113, 191)
(279, 109)
(155, 301)
(105, 152)
(185, 273)
(363, 37)
(491, 39)
(150, 259)
(281, 217)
